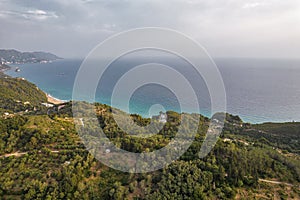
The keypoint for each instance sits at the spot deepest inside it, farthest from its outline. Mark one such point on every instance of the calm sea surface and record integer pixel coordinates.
(258, 90)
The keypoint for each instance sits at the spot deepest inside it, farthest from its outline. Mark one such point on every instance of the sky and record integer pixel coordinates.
(226, 28)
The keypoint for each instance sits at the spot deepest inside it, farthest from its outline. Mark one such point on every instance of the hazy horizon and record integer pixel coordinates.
(266, 29)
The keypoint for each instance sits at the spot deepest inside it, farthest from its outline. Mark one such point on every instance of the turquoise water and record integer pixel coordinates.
(258, 90)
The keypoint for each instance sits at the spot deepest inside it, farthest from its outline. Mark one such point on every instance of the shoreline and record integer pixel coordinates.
(246, 119)
(54, 100)
(50, 98)
(5, 68)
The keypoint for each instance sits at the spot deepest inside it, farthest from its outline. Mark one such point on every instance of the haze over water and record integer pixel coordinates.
(258, 90)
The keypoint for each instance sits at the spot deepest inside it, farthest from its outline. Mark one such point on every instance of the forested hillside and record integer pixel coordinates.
(42, 157)
(18, 95)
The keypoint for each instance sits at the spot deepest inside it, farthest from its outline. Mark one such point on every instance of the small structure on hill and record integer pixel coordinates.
(162, 117)
(48, 105)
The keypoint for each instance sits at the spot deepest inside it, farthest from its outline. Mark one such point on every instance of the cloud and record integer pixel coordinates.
(40, 14)
(254, 5)
(29, 15)
(235, 27)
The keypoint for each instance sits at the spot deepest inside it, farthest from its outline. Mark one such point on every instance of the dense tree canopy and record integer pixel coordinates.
(43, 157)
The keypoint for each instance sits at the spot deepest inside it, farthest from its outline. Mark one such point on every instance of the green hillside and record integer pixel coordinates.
(18, 95)
(43, 157)
(284, 136)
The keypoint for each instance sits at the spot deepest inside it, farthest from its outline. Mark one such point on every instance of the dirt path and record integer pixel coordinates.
(17, 154)
(275, 182)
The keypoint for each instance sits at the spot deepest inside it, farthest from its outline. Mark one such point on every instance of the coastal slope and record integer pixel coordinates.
(43, 157)
(19, 95)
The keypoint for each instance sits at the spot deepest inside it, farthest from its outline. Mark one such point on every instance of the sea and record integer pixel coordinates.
(257, 89)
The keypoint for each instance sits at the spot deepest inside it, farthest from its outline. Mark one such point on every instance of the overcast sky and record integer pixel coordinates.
(235, 28)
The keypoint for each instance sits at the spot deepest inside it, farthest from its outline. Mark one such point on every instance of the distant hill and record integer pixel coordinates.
(16, 57)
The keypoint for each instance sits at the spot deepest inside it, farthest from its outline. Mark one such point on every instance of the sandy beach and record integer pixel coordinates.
(54, 100)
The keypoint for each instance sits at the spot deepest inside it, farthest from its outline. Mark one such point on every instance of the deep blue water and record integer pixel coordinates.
(258, 90)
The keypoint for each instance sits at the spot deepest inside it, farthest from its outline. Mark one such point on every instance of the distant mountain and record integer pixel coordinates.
(16, 57)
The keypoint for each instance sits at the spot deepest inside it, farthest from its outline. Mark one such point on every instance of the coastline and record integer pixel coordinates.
(254, 118)
(50, 98)
(57, 101)
(54, 100)
(5, 68)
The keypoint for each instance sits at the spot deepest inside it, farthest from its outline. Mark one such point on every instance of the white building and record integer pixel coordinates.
(48, 105)
(162, 117)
